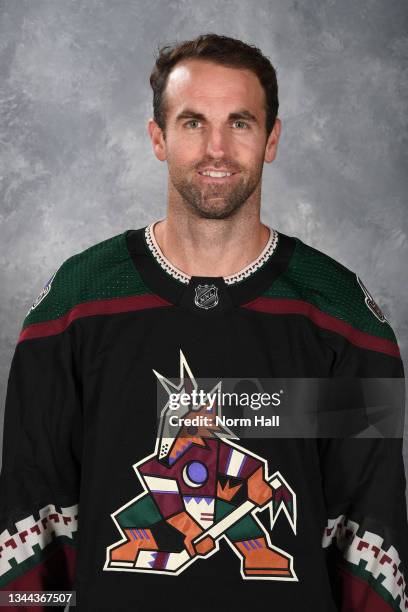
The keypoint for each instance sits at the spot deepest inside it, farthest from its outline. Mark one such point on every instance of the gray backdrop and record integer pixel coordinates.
(76, 160)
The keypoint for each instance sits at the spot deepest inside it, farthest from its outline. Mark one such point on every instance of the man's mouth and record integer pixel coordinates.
(216, 176)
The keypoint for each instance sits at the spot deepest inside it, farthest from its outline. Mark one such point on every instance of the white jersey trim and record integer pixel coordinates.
(159, 256)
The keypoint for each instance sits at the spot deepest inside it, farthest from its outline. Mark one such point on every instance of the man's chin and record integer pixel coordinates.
(214, 211)
(212, 205)
(215, 215)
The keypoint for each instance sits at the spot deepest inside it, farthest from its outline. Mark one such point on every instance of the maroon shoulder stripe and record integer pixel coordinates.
(95, 307)
(322, 319)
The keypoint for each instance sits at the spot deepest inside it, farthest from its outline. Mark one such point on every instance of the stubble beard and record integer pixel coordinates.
(215, 201)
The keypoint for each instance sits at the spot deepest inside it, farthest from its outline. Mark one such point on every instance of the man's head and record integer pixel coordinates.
(215, 107)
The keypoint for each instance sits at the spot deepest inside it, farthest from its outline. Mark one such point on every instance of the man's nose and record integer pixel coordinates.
(217, 144)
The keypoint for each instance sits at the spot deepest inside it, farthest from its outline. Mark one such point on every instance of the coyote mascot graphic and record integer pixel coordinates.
(199, 487)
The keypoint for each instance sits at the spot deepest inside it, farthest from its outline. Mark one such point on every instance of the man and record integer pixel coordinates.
(216, 516)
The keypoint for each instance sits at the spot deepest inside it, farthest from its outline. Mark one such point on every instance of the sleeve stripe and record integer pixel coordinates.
(34, 537)
(86, 309)
(359, 595)
(326, 321)
(371, 569)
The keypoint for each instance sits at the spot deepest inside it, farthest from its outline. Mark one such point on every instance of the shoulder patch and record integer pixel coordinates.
(371, 303)
(315, 278)
(46, 289)
(103, 271)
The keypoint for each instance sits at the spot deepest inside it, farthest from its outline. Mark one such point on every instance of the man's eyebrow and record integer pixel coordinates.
(189, 113)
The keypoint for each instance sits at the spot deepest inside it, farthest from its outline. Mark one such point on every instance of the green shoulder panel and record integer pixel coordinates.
(102, 271)
(316, 278)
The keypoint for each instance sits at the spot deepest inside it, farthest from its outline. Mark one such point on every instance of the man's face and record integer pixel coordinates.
(215, 120)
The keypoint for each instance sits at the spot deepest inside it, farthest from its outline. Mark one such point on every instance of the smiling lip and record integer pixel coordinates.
(217, 179)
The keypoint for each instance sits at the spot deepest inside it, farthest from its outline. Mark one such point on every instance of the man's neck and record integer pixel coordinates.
(210, 247)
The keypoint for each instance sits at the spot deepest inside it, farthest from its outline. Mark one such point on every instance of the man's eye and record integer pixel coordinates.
(243, 122)
(192, 121)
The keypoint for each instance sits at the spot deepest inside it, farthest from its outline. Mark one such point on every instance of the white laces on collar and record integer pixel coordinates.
(265, 254)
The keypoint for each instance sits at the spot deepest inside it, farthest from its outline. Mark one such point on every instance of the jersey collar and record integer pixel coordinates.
(232, 279)
(207, 295)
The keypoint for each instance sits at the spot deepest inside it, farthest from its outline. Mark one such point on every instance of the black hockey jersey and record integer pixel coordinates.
(101, 492)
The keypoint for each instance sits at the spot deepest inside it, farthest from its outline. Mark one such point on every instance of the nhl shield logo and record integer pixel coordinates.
(206, 296)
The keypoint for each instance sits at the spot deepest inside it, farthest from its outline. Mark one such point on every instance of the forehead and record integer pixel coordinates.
(208, 85)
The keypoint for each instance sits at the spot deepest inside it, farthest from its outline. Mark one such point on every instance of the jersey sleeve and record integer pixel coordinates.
(41, 453)
(366, 536)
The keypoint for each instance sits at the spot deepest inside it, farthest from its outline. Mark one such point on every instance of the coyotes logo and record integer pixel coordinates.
(370, 302)
(46, 289)
(201, 486)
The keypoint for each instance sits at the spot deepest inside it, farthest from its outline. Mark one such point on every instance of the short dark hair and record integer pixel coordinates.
(222, 50)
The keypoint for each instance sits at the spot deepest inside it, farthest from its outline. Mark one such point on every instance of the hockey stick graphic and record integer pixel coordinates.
(283, 499)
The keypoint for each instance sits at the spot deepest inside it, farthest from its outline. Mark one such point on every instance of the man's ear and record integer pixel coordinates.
(157, 138)
(272, 143)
